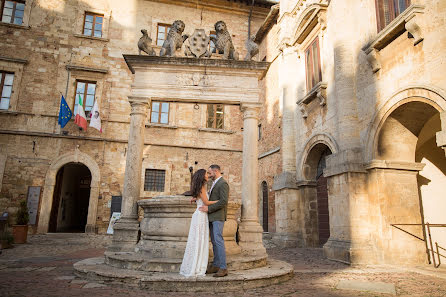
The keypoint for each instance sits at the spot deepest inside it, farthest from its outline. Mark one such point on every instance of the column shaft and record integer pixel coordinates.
(250, 230)
(125, 231)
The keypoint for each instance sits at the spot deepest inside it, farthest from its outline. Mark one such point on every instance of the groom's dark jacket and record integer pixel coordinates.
(220, 193)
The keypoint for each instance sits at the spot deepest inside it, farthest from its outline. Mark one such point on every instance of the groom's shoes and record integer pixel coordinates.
(212, 269)
(221, 272)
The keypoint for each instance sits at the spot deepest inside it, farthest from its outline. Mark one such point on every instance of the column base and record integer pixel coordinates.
(91, 229)
(251, 238)
(125, 236)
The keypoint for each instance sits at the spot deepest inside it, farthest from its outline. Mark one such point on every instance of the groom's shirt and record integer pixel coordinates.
(213, 184)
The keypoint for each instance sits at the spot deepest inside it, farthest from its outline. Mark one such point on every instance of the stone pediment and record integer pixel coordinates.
(180, 79)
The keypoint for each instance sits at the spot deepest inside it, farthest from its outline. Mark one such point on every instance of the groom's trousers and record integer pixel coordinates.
(218, 244)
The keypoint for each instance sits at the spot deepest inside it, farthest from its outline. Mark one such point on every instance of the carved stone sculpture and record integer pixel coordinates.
(145, 44)
(223, 41)
(198, 45)
(252, 48)
(174, 39)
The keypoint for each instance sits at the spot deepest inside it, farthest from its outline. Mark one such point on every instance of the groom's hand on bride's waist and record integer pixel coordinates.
(203, 208)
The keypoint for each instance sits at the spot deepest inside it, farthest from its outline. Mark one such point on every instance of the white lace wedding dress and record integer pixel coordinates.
(195, 259)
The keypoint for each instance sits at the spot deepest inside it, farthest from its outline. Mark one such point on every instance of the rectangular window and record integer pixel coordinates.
(6, 80)
(154, 180)
(86, 91)
(313, 65)
(161, 35)
(212, 47)
(12, 11)
(215, 116)
(388, 10)
(159, 112)
(93, 24)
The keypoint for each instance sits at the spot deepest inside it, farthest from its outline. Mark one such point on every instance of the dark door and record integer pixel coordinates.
(265, 206)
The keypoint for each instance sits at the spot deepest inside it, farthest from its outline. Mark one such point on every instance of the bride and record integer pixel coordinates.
(195, 259)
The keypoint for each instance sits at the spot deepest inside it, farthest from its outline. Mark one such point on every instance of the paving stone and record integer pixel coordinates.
(14, 269)
(65, 277)
(79, 281)
(3, 267)
(376, 287)
(93, 285)
(46, 268)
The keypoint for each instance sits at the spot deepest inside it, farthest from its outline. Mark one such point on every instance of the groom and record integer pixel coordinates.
(217, 217)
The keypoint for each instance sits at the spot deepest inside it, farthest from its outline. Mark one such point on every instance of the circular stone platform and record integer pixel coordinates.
(274, 272)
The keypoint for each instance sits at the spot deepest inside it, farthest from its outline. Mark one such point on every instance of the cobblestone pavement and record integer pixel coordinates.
(44, 267)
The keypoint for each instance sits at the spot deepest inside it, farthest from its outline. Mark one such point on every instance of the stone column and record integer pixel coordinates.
(441, 135)
(125, 235)
(250, 231)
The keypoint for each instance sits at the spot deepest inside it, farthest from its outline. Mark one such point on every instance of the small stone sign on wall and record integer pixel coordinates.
(33, 203)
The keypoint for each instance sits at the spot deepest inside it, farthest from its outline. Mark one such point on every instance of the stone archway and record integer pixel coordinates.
(426, 94)
(401, 142)
(50, 182)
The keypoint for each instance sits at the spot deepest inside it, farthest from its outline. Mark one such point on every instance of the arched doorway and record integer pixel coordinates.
(322, 200)
(317, 218)
(265, 206)
(71, 197)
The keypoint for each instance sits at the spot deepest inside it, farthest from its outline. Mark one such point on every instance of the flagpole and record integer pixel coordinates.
(68, 78)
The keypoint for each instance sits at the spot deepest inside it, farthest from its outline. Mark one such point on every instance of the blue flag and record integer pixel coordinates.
(64, 113)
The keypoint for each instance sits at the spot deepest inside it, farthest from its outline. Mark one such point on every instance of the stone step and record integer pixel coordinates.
(95, 269)
(136, 261)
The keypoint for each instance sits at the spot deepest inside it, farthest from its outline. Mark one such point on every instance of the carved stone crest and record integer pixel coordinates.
(198, 44)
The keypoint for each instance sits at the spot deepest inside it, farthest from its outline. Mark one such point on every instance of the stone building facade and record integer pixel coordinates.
(351, 131)
(51, 48)
(360, 96)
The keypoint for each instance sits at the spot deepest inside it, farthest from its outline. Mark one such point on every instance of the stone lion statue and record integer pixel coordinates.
(145, 44)
(223, 41)
(174, 39)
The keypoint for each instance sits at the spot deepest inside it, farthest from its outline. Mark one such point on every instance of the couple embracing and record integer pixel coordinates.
(209, 217)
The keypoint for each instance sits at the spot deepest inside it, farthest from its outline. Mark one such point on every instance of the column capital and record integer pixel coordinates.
(250, 110)
(139, 105)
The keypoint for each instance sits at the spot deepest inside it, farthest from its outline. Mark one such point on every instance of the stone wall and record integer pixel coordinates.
(49, 53)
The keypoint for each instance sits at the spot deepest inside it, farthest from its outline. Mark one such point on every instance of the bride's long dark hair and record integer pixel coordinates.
(198, 181)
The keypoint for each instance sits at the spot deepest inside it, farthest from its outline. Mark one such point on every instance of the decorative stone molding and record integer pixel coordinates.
(406, 21)
(312, 15)
(396, 165)
(374, 60)
(318, 92)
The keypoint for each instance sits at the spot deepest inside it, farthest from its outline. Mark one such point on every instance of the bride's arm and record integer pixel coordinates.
(204, 197)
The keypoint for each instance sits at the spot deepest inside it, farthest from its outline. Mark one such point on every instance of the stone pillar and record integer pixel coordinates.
(250, 231)
(125, 235)
(441, 135)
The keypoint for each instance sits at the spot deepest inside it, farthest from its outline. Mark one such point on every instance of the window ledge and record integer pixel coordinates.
(317, 92)
(408, 21)
(154, 125)
(216, 130)
(91, 37)
(7, 111)
(15, 26)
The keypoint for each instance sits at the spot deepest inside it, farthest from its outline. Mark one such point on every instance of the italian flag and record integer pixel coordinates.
(80, 119)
